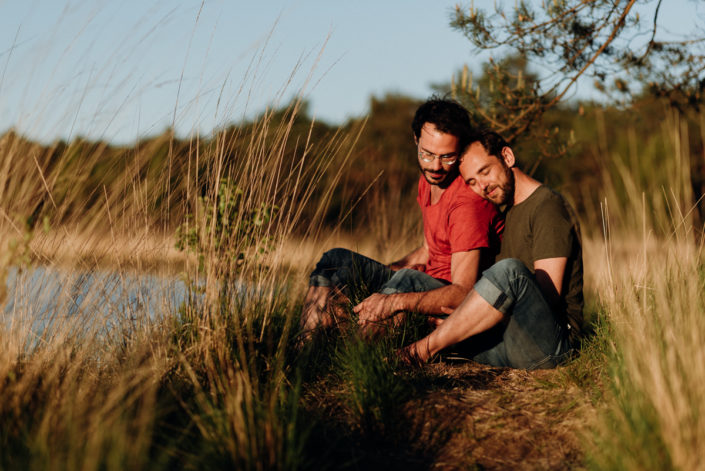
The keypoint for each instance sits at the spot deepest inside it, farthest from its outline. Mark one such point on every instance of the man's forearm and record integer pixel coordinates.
(430, 302)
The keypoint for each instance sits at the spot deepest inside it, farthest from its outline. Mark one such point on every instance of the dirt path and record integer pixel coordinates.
(506, 419)
(466, 416)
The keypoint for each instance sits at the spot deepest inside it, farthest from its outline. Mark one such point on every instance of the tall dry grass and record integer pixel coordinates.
(107, 382)
(649, 280)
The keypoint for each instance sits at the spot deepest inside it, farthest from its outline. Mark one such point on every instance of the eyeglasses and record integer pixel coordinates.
(446, 159)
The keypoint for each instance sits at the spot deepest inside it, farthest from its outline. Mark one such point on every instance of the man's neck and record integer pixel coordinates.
(436, 193)
(438, 190)
(524, 186)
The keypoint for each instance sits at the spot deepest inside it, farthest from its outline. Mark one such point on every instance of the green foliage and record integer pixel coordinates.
(246, 417)
(632, 437)
(236, 382)
(653, 416)
(572, 39)
(621, 153)
(227, 227)
(374, 391)
(156, 181)
(59, 417)
(508, 90)
(588, 370)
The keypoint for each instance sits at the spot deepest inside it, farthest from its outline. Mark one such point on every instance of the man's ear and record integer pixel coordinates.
(508, 156)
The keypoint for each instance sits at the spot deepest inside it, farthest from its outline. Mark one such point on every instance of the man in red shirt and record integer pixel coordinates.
(461, 235)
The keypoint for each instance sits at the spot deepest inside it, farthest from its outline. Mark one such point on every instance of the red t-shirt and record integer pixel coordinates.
(459, 222)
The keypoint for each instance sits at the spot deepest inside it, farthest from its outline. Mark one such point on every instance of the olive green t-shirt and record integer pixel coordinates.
(544, 226)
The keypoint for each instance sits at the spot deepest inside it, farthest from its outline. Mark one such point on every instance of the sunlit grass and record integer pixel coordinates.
(649, 282)
(206, 383)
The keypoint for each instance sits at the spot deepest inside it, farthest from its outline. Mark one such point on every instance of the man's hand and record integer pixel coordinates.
(435, 321)
(375, 310)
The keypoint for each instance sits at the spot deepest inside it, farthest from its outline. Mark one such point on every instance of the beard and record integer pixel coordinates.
(503, 192)
(441, 177)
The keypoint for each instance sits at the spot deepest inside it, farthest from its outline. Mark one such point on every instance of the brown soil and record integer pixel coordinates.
(468, 416)
(507, 419)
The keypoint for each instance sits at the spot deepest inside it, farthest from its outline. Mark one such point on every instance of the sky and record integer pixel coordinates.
(119, 70)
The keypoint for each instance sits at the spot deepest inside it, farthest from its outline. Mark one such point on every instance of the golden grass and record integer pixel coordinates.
(647, 273)
(144, 252)
(104, 387)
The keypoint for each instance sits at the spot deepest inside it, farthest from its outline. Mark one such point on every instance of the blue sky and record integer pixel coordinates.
(121, 69)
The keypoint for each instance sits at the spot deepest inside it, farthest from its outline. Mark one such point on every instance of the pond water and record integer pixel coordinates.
(45, 300)
(45, 296)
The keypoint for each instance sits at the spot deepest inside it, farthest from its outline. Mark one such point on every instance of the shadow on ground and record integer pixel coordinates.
(460, 416)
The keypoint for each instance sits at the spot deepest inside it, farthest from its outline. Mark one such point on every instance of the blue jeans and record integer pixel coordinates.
(358, 276)
(534, 336)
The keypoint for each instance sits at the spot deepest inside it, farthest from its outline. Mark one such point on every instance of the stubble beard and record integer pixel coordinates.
(446, 179)
(506, 190)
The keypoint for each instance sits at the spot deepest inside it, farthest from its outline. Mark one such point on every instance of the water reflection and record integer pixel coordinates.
(45, 296)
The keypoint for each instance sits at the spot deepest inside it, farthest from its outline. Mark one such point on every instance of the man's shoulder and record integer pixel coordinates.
(546, 193)
(545, 210)
(423, 191)
(458, 190)
(422, 184)
(471, 212)
(546, 200)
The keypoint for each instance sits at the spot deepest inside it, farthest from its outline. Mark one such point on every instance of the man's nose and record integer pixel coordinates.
(436, 164)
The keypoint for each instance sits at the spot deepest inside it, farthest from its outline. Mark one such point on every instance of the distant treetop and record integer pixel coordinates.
(619, 43)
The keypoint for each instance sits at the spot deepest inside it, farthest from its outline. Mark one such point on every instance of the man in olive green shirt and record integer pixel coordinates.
(527, 308)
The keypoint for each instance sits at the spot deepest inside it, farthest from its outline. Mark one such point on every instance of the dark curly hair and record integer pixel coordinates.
(448, 116)
(490, 140)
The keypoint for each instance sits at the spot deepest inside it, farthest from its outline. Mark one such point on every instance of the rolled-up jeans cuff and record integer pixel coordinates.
(319, 280)
(496, 298)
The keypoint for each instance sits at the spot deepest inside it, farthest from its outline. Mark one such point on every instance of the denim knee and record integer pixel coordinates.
(498, 285)
(350, 272)
(327, 266)
(334, 257)
(408, 280)
(502, 272)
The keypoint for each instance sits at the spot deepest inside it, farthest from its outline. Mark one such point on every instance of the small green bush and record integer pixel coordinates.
(227, 225)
